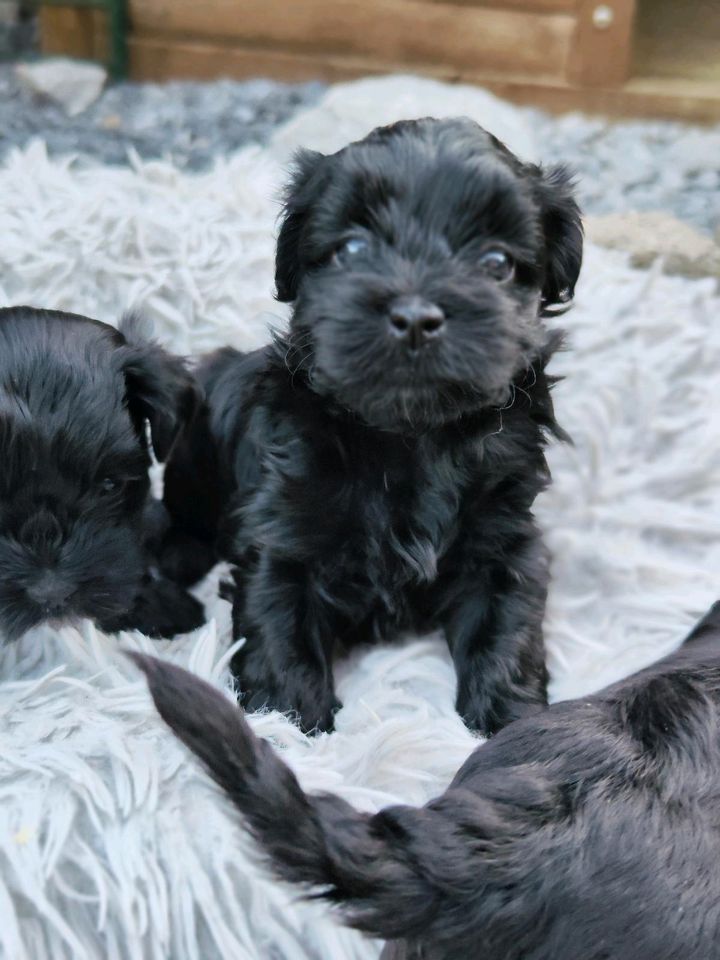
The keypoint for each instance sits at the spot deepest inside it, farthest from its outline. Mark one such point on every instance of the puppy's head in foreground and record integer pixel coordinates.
(421, 261)
(75, 395)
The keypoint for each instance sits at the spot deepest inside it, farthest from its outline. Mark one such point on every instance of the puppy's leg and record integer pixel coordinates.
(161, 609)
(493, 624)
(193, 501)
(286, 662)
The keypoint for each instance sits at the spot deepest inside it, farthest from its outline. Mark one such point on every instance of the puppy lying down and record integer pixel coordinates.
(77, 522)
(588, 832)
(373, 471)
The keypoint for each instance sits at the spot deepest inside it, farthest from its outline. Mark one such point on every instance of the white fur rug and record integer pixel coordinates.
(113, 843)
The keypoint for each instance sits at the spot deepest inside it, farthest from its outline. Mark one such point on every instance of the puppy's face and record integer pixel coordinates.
(421, 261)
(74, 397)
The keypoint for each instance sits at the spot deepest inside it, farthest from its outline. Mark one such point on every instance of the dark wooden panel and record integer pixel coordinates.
(679, 40)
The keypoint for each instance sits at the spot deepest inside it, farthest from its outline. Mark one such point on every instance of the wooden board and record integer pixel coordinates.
(533, 6)
(601, 56)
(667, 100)
(154, 58)
(157, 59)
(396, 31)
(73, 32)
(678, 40)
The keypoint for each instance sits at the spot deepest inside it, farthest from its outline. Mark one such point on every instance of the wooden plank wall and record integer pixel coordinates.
(410, 32)
(550, 53)
(75, 32)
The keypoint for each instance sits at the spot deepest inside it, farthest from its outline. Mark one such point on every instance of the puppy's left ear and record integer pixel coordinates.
(160, 389)
(563, 230)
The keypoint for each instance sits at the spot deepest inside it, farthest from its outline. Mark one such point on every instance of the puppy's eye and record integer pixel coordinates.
(110, 485)
(497, 264)
(352, 247)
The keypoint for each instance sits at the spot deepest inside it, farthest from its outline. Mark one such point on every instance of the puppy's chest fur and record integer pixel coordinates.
(375, 518)
(337, 498)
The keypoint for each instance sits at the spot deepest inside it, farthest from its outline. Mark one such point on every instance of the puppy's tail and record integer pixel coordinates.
(376, 867)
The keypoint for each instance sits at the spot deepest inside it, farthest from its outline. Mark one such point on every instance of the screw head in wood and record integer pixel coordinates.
(603, 16)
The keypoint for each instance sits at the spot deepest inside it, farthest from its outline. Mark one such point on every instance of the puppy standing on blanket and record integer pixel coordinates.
(77, 524)
(373, 471)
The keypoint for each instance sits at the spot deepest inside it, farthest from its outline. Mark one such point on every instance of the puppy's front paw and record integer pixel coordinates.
(311, 702)
(318, 717)
(184, 559)
(162, 609)
(486, 717)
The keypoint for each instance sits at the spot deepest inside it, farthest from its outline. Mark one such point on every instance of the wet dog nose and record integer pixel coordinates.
(50, 591)
(416, 321)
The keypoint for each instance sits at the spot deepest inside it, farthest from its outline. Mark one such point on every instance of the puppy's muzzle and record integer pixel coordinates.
(51, 592)
(415, 322)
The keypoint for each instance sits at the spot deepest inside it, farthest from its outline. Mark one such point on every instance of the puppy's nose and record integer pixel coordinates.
(416, 321)
(50, 591)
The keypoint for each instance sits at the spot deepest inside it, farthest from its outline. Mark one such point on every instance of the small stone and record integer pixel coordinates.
(651, 235)
(69, 83)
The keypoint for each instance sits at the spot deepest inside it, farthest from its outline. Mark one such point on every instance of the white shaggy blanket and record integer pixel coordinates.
(113, 843)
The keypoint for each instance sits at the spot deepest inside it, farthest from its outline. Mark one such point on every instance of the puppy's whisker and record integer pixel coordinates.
(511, 401)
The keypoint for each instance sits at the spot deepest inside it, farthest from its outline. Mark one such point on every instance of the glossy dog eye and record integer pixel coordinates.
(350, 248)
(110, 485)
(497, 264)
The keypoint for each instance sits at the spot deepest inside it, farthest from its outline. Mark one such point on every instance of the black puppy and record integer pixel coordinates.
(77, 524)
(589, 832)
(373, 471)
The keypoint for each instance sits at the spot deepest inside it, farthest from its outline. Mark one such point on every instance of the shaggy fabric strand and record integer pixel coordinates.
(113, 842)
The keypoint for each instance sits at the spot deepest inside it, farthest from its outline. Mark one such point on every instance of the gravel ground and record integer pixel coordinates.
(621, 166)
(188, 122)
(639, 165)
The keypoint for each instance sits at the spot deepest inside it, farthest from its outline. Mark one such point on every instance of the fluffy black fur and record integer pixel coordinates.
(589, 832)
(77, 523)
(373, 471)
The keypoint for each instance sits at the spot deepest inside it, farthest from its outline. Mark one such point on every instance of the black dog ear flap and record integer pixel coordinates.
(562, 226)
(305, 186)
(160, 388)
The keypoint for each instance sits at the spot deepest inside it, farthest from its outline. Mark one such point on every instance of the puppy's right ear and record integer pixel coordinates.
(160, 388)
(303, 191)
(563, 229)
